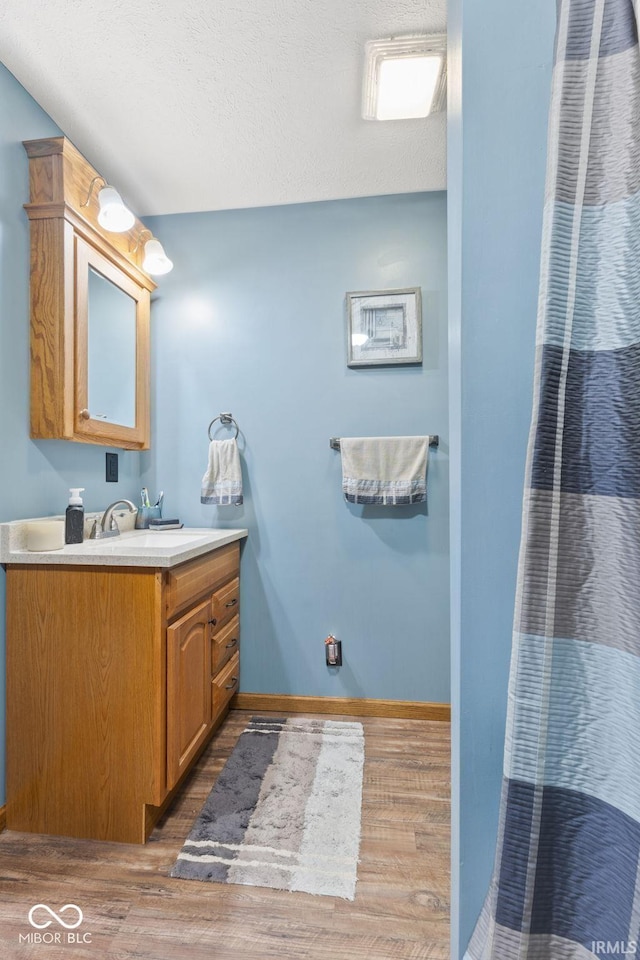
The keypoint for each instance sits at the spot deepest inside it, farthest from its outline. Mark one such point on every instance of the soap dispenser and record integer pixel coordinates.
(74, 519)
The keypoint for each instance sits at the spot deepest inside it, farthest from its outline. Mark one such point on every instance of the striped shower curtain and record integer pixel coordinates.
(566, 881)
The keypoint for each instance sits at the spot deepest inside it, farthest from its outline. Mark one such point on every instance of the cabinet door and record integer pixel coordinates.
(188, 688)
(112, 352)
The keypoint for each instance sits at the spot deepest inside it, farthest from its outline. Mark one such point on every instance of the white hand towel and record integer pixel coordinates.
(384, 470)
(222, 482)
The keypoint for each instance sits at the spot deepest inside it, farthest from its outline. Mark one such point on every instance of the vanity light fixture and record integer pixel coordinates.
(155, 261)
(405, 78)
(113, 215)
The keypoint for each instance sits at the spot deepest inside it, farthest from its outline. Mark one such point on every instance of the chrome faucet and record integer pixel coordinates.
(108, 525)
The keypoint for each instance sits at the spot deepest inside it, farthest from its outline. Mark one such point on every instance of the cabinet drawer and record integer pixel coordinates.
(196, 578)
(224, 644)
(224, 685)
(225, 603)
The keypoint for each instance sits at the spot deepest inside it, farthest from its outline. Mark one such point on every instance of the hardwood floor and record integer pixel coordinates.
(134, 911)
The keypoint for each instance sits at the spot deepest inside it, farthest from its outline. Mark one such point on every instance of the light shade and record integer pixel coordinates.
(113, 215)
(405, 77)
(155, 261)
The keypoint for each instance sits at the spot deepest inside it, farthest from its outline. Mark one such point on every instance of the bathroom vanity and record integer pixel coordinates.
(122, 658)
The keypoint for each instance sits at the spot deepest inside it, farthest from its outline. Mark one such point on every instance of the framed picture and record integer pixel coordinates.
(384, 327)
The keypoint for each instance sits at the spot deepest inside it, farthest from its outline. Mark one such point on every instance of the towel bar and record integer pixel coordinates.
(226, 419)
(334, 442)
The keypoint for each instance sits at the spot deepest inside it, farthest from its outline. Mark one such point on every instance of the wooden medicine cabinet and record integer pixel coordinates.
(90, 302)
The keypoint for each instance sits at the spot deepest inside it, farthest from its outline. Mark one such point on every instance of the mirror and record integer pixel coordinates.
(111, 351)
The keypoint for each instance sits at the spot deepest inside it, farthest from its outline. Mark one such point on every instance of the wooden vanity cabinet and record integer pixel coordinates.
(116, 679)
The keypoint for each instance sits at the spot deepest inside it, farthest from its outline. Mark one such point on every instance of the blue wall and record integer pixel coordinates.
(252, 320)
(35, 475)
(500, 70)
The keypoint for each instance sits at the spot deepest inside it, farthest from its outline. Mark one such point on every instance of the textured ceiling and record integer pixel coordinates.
(214, 104)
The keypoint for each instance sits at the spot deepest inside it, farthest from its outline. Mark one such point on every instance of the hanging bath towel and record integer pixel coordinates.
(566, 883)
(222, 482)
(384, 470)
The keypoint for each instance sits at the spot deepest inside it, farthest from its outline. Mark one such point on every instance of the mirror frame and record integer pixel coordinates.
(94, 429)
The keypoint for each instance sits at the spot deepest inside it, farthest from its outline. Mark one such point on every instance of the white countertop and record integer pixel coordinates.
(137, 548)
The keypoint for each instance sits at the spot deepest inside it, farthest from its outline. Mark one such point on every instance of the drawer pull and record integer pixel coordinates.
(232, 603)
(230, 686)
(231, 643)
(213, 622)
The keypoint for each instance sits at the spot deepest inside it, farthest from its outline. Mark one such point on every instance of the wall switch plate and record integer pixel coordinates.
(111, 467)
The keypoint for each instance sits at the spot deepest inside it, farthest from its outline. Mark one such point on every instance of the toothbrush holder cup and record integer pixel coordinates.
(145, 514)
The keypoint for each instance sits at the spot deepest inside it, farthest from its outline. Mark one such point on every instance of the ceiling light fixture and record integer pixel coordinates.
(405, 78)
(113, 215)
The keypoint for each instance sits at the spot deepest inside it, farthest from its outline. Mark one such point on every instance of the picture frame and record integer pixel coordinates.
(384, 327)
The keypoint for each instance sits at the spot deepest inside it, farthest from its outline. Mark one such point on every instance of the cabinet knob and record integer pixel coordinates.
(213, 621)
(85, 414)
(231, 685)
(232, 603)
(231, 643)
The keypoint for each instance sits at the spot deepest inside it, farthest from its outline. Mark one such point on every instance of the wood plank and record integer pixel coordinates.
(389, 790)
(346, 706)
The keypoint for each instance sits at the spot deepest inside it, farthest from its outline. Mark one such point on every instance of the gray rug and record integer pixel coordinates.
(285, 811)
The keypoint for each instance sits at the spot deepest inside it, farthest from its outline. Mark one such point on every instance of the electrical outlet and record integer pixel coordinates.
(333, 651)
(111, 467)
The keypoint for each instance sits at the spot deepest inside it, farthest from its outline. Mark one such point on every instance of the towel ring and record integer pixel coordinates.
(227, 420)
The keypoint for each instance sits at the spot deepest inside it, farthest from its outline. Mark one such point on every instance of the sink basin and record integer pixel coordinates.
(167, 538)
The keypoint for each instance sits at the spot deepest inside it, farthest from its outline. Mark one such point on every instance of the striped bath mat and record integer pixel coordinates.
(285, 811)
